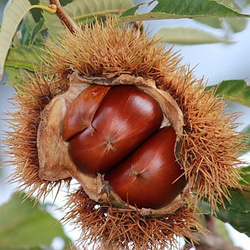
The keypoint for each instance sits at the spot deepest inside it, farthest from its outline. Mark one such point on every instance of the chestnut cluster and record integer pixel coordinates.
(116, 131)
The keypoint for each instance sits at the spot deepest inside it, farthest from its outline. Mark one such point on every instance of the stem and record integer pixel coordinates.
(51, 8)
(65, 19)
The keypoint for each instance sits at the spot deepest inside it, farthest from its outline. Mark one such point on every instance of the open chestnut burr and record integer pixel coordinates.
(136, 130)
(110, 131)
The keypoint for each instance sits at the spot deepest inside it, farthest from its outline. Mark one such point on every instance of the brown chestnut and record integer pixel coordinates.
(125, 118)
(80, 113)
(151, 176)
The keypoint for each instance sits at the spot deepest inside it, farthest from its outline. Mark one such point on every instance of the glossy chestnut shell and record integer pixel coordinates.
(106, 126)
(151, 176)
(115, 131)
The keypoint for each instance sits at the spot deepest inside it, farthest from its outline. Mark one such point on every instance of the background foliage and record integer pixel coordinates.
(24, 32)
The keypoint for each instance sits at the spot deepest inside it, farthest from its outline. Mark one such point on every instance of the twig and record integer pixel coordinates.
(65, 19)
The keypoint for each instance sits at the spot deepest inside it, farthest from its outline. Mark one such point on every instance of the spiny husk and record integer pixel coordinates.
(107, 227)
(210, 144)
(109, 50)
(36, 92)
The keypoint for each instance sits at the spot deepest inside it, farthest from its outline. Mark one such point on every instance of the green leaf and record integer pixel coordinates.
(12, 17)
(26, 57)
(236, 212)
(15, 75)
(35, 34)
(30, 31)
(238, 209)
(23, 224)
(166, 9)
(237, 91)
(186, 35)
(220, 227)
(33, 247)
(230, 4)
(11, 20)
(246, 131)
(20, 61)
(212, 22)
(235, 24)
(245, 174)
(52, 22)
(82, 11)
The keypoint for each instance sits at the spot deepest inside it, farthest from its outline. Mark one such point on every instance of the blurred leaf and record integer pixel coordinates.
(237, 24)
(236, 212)
(185, 35)
(30, 31)
(237, 91)
(166, 9)
(230, 4)
(222, 230)
(238, 209)
(25, 247)
(24, 225)
(26, 57)
(247, 140)
(213, 22)
(245, 174)
(14, 75)
(12, 17)
(21, 61)
(52, 22)
(35, 34)
(82, 11)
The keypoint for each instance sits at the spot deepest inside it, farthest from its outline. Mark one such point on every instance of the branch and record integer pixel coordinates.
(65, 19)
